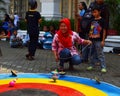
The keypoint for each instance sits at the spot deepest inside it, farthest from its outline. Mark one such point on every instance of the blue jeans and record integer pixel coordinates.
(97, 51)
(65, 56)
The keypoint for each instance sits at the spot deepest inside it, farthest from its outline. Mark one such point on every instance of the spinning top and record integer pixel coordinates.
(13, 73)
(54, 77)
(97, 80)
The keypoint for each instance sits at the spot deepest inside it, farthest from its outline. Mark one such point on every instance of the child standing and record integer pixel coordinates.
(97, 35)
(32, 18)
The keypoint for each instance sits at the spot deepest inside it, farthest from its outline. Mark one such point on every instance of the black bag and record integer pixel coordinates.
(86, 19)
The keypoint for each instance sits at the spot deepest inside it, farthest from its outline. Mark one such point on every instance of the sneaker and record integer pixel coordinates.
(89, 68)
(31, 58)
(103, 70)
(27, 56)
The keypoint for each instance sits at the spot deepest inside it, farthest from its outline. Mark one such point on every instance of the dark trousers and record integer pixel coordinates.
(33, 44)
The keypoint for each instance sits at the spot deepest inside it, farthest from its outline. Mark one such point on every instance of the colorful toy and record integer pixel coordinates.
(12, 83)
(13, 73)
(55, 77)
(97, 80)
(56, 74)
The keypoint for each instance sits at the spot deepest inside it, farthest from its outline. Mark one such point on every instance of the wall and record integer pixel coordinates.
(6, 6)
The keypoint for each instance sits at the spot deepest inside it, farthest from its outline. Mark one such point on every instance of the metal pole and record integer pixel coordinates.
(76, 20)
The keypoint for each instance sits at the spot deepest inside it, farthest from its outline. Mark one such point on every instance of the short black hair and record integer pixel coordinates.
(96, 8)
(33, 4)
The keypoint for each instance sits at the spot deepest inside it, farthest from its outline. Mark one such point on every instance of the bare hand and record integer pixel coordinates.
(56, 58)
(102, 43)
(89, 42)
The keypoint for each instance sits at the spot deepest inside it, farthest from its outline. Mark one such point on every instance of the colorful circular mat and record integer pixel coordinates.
(65, 85)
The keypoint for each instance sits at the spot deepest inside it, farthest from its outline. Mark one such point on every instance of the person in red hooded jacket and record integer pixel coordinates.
(63, 45)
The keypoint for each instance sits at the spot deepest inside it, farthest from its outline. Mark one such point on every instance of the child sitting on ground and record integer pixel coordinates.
(2, 35)
(47, 38)
(15, 41)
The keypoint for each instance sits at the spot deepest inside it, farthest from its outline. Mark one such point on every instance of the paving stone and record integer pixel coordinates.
(14, 58)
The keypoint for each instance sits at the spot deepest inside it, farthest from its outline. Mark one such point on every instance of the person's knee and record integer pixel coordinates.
(76, 60)
(65, 53)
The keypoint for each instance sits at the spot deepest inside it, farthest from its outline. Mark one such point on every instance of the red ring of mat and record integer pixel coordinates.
(60, 90)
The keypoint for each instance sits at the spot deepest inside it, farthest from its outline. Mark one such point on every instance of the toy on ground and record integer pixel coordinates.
(56, 74)
(12, 83)
(13, 73)
(97, 80)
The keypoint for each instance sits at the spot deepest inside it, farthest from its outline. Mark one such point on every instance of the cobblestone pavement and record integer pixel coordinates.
(14, 59)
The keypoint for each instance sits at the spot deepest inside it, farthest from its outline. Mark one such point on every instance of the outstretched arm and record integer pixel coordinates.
(3, 36)
(55, 48)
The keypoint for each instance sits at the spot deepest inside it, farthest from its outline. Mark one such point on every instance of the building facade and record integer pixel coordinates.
(4, 6)
(50, 9)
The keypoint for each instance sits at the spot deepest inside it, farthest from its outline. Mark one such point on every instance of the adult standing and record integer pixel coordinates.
(83, 31)
(16, 20)
(82, 7)
(32, 18)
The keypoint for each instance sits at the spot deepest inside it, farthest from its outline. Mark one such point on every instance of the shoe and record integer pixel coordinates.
(27, 55)
(31, 58)
(89, 68)
(103, 70)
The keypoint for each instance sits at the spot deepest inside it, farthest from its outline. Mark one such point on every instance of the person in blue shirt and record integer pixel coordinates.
(82, 7)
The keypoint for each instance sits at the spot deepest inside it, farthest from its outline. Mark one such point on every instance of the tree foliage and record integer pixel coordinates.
(114, 8)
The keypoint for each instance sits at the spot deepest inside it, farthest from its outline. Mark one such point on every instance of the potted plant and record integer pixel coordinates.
(114, 7)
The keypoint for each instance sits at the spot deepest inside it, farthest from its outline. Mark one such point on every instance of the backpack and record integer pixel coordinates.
(84, 23)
